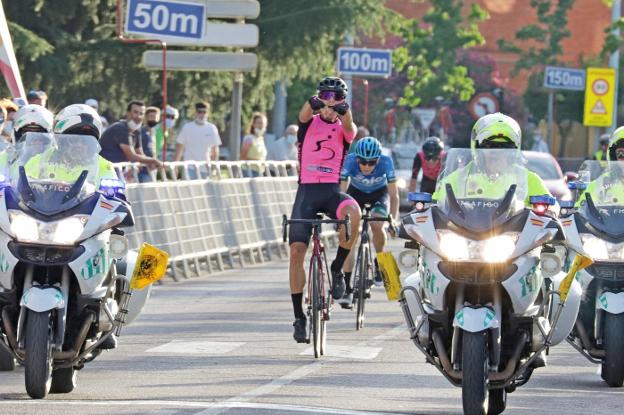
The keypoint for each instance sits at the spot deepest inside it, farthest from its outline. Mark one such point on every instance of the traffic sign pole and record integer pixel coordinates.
(549, 133)
(614, 60)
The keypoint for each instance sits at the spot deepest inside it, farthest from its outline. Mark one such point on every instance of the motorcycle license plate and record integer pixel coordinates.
(151, 266)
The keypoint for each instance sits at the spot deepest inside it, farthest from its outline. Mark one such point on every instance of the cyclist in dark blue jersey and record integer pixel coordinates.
(368, 176)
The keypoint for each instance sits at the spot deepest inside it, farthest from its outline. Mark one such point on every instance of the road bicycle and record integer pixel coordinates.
(364, 266)
(319, 300)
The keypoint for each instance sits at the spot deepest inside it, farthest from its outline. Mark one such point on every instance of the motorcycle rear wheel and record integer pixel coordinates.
(38, 364)
(613, 365)
(475, 373)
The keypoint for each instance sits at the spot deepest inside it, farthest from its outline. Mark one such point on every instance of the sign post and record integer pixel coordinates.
(556, 77)
(599, 94)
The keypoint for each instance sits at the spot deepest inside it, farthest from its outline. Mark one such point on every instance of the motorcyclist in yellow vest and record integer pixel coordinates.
(602, 153)
(603, 188)
(493, 131)
(81, 119)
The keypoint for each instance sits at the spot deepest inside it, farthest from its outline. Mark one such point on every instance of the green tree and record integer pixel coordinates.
(537, 46)
(429, 56)
(69, 49)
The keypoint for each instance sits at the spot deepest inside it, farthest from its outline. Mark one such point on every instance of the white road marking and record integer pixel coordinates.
(223, 406)
(196, 347)
(347, 352)
(299, 373)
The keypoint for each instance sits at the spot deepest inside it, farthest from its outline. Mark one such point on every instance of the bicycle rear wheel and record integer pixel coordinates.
(362, 282)
(317, 310)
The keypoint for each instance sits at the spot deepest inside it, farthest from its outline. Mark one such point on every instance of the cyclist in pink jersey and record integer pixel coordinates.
(326, 130)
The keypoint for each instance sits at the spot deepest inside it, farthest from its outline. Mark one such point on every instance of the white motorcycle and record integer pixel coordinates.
(64, 263)
(478, 305)
(596, 229)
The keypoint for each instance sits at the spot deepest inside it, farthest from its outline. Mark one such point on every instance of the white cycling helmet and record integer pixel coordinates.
(495, 127)
(78, 119)
(32, 117)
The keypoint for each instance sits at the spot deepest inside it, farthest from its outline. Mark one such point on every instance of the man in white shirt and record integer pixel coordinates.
(285, 148)
(198, 140)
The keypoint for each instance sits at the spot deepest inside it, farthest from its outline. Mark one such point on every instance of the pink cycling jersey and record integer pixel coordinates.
(322, 149)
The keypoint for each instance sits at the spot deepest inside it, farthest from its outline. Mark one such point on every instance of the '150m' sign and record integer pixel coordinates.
(171, 19)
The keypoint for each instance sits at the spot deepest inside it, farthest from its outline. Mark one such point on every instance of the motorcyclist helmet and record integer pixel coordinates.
(79, 119)
(368, 148)
(496, 131)
(34, 118)
(616, 142)
(432, 148)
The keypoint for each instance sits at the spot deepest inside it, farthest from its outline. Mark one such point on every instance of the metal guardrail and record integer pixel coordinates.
(209, 217)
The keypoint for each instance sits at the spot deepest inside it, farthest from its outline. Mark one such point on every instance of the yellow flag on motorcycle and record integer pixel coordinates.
(151, 266)
(580, 262)
(390, 272)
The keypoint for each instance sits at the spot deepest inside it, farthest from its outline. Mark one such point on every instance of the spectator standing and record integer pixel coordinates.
(37, 97)
(539, 144)
(148, 143)
(171, 117)
(285, 148)
(122, 140)
(93, 103)
(253, 147)
(11, 109)
(199, 139)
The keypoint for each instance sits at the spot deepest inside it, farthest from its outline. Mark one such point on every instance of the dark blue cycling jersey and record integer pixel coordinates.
(379, 177)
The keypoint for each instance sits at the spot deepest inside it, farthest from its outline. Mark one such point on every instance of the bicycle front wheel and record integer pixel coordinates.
(317, 309)
(363, 274)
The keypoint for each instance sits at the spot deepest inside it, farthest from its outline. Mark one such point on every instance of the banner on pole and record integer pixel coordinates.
(8, 63)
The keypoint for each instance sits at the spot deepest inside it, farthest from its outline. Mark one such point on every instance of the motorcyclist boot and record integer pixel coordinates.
(109, 343)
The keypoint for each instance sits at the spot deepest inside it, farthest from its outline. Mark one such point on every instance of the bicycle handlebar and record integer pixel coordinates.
(346, 222)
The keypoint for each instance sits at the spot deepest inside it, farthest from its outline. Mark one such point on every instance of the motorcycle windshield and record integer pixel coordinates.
(54, 173)
(481, 189)
(602, 204)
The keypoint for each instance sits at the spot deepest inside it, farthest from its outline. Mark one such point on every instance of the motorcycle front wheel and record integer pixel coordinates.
(475, 373)
(613, 365)
(38, 364)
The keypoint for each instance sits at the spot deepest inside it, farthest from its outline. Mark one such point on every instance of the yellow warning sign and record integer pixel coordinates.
(599, 89)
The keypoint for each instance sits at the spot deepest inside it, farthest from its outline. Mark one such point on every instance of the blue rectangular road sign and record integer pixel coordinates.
(365, 62)
(173, 19)
(564, 78)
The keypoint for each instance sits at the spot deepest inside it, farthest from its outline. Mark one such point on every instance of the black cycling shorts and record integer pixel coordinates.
(428, 185)
(379, 199)
(312, 199)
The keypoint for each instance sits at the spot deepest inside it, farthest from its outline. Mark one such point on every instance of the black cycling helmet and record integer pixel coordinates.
(432, 147)
(332, 83)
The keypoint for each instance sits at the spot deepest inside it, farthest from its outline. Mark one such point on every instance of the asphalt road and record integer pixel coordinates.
(223, 344)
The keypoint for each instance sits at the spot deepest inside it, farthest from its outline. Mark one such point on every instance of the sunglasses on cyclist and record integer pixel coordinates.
(619, 153)
(327, 95)
(371, 162)
(429, 157)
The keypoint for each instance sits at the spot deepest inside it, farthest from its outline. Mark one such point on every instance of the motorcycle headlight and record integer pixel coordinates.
(454, 247)
(498, 248)
(24, 227)
(596, 248)
(62, 232)
(68, 231)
